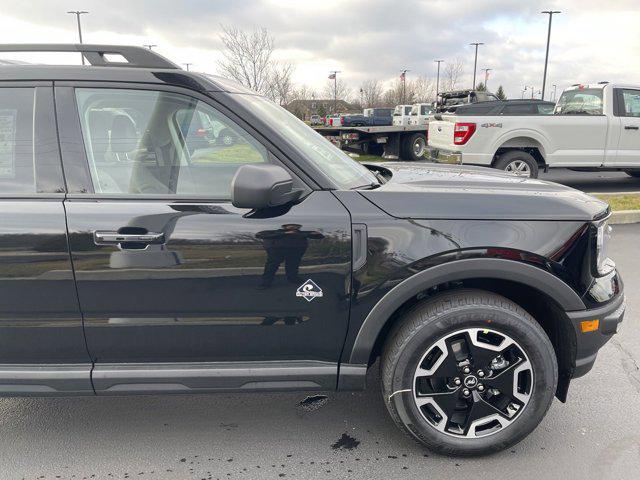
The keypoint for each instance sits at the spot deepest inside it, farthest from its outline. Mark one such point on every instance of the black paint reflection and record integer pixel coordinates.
(287, 245)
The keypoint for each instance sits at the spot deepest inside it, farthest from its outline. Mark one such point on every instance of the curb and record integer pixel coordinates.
(621, 217)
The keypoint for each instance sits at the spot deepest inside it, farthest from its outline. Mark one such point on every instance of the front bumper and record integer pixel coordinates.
(444, 156)
(588, 344)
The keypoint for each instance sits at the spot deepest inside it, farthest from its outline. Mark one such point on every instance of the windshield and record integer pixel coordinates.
(344, 171)
(580, 102)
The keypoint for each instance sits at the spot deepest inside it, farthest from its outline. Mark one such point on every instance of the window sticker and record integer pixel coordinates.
(7, 143)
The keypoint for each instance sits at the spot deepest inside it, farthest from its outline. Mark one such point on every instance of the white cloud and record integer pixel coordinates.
(591, 40)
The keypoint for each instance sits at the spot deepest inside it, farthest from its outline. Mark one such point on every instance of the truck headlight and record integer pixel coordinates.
(604, 264)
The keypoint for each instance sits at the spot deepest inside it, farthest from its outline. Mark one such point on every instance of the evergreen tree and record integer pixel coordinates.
(481, 87)
(500, 93)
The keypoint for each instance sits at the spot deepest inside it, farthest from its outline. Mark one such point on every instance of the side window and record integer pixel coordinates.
(29, 161)
(142, 142)
(631, 103)
(522, 109)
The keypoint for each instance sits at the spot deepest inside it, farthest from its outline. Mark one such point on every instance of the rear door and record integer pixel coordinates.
(42, 348)
(181, 290)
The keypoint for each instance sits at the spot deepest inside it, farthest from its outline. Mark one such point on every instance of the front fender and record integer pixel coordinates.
(458, 270)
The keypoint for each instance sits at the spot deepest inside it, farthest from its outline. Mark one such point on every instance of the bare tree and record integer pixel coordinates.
(247, 57)
(281, 87)
(452, 74)
(371, 93)
(342, 91)
(304, 92)
(424, 89)
(399, 93)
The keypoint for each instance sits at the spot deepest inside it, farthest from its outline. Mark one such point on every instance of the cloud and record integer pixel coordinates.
(365, 39)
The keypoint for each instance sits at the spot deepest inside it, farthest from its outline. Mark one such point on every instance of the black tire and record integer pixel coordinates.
(371, 148)
(513, 159)
(633, 173)
(413, 147)
(431, 321)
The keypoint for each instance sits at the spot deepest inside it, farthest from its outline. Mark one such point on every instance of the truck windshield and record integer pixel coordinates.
(344, 171)
(580, 102)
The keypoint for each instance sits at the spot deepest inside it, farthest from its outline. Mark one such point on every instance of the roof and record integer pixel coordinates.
(141, 66)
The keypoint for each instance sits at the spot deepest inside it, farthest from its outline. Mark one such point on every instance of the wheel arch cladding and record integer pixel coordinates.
(542, 294)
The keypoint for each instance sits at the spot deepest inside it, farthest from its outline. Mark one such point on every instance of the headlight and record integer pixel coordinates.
(604, 264)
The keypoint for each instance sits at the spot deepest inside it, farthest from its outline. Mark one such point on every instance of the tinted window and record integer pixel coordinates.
(28, 145)
(631, 102)
(157, 143)
(580, 102)
(519, 109)
(546, 109)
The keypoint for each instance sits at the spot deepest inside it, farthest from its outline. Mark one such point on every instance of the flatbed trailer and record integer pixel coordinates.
(396, 142)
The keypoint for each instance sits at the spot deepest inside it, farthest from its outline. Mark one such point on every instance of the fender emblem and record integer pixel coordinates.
(309, 290)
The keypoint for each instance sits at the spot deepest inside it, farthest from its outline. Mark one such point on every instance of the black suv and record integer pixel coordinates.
(136, 261)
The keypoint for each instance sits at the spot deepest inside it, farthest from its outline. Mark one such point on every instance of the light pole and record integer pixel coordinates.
(333, 75)
(77, 13)
(475, 63)
(546, 57)
(438, 79)
(555, 89)
(150, 46)
(187, 65)
(486, 77)
(403, 77)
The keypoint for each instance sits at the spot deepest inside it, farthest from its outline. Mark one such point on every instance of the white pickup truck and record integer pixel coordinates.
(594, 127)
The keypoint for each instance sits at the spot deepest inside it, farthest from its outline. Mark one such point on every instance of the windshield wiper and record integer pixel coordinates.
(369, 186)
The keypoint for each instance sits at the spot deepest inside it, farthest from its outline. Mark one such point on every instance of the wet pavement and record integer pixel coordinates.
(337, 436)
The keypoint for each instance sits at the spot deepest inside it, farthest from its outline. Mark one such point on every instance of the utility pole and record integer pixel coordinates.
(187, 65)
(475, 63)
(486, 77)
(403, 77)
(333, 75)
(546, 57)
(438, 79)
(77, 13)
(150, 45)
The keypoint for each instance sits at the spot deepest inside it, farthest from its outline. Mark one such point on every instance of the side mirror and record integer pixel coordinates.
(262, 186)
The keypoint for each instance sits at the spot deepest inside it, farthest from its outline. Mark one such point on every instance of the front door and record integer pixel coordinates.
(179, 289)
(626, 124)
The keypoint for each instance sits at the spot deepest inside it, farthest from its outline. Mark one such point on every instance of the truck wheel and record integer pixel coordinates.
(371, 148)
(414, 147)
(519, 163)
(468, 372)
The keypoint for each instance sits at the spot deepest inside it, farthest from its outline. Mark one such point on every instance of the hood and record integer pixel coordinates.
(433, 191)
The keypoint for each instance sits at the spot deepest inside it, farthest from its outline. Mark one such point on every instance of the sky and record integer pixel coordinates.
(591, 40)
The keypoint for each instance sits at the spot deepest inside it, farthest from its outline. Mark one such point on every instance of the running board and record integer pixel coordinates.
(161, 378)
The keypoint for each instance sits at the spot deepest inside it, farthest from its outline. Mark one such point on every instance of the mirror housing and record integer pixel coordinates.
(262, 185)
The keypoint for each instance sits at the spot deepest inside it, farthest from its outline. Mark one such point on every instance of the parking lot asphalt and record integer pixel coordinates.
(344, 436)
(593, 182)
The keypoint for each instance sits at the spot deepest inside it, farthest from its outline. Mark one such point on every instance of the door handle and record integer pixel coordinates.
(631, 127)
(115, 238)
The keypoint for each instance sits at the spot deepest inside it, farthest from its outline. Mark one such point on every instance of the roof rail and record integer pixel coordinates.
(98, 55)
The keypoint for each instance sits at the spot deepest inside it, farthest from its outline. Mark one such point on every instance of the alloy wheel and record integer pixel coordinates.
(419, 146)
(473, 383)
(518, 168)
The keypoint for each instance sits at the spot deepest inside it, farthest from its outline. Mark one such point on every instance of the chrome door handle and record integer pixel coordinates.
(115, 238)
(631, 127)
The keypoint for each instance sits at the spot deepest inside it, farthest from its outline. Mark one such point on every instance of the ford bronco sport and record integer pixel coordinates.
(141, 256)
